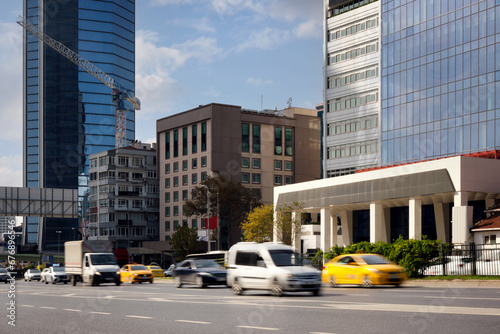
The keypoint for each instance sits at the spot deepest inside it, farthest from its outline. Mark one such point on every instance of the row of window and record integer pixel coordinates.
(352, 125)
(175, 196)
(353, 27)
(353, 52)
(194, 224)
(351, 77)
(123, 161)
(345, 171)
(122, 176)
(185, 136)
(345, 7)
(278, 141)
(351, 101)
(245, 138)
(352, 149)
(185, 164)
(110, 189)
(124, 231)
(185, 179)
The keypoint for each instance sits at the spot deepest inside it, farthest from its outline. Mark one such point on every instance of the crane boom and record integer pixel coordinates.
(119, 92)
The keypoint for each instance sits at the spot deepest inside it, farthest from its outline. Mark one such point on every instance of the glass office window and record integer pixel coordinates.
(245, 137)
(278, 141)
(256, 138)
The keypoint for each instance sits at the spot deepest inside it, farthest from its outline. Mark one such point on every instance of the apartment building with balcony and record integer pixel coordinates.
(123, 198)
(260, 150)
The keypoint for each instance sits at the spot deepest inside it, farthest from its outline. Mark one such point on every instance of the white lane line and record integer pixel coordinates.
(48, 307)
(261, 328)
(69, 294)
(457, 297)
(195, 322)
(138, 316)
(105, 313)
(320, 333)
(28, 305)
(71, 310)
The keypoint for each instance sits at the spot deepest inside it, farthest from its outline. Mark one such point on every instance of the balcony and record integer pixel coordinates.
(129, 193)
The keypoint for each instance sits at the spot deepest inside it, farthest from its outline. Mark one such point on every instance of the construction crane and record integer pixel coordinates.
(119, 93)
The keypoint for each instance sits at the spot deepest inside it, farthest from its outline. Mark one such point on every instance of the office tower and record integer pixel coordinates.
(440, 79)
(68, 114)
(352, 86)
(260, 150)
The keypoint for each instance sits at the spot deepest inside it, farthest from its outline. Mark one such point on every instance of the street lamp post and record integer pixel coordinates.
(208, 217)
(58, 243)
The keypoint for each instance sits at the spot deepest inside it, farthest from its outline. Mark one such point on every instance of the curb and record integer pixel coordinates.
(455, 283)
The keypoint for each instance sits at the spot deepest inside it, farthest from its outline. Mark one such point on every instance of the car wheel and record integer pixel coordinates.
(198, 281)
(151, 281)
(46, 282)
(333, 282)
(118, 282)
(65, 282)
(236, 288)
(316, 292)
(177, 281)
(367, 282)
(276, 288)
(73, 280)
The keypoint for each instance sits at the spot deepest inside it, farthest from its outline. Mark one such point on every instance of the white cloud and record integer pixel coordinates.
(200, 24)
(230, 7)
(259, 82)
(264, 39)
(169, 2)
(11, 174)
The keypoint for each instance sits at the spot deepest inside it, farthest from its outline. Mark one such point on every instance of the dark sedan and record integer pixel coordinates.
(199, 272)
(4, 275)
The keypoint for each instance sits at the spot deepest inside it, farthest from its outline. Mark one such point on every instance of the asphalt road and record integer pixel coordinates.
(160, 307)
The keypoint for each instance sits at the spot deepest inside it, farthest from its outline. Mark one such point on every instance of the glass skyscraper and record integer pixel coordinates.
(440, 90)
(68, 114)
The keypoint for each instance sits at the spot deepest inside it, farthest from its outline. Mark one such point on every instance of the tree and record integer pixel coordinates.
(184, 241)
(234, 203)
(258, 226)
(283, 221)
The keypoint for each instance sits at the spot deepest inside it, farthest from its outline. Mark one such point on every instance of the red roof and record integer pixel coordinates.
(488, 223)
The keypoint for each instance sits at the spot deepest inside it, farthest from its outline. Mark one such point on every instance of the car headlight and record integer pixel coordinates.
(207, 274)
(375, 271)
(292, 276)
(97, 273)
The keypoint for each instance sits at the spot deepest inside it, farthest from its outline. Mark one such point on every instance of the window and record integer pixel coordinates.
(245, 137)
(123, 161)
(167, 183)
(194, 178)
(490, 239)
(184, 195)
(176, 211)
(203, 136)
(151, 173)
(184, 165)
(167, 211)
(194, 223)
(176, 225)
(167, 226)
(167, 168)
(184, 141)
(256, 178)
(288, 180)
(245, 178)
(277, 179)
(176, 181)
(256, 163)
(184, 180)
(256, 138)
(176, 143)
(193, 139)
(167, 197)
(288, 165)
(194, 163)
(136, 162)
(278, 164)
(288, 142)
(167, 145)
(176, 167)
(203, 161)
(203, 176)
(278, 141)
(176, 196)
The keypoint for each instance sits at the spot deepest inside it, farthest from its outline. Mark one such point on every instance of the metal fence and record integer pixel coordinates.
(471, 259)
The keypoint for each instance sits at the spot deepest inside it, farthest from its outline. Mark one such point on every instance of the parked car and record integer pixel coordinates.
(199, 272)
(168, 272)
(362, 269)
(156, 270)
(135, 273)
(269, 266)
(4, 275)
(55, 275)
(32, 274)
(453, 265)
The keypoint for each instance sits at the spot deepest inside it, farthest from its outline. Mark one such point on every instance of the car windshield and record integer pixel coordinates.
(375, 259)
(286, 258)
(206, 264)
(102, 259)
(3, 270)
(59, 269)
(138, 268)
(154, 267)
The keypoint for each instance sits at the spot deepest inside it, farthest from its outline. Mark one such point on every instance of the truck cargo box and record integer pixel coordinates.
(74, 251)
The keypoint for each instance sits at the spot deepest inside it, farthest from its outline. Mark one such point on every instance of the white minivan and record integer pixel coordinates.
(269, 266)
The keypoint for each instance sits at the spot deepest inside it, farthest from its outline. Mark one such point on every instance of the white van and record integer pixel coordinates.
(269, 266)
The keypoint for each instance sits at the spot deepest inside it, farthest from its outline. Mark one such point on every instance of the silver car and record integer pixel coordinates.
(55, 275)
(32, 274)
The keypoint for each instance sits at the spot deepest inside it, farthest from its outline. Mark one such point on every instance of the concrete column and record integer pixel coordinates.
(442, 216)
(378, 222)
(346, 223)
(415, 219)
(296, 231)
(276, 236)
(333, 229)
(461, 219)
(326, 229)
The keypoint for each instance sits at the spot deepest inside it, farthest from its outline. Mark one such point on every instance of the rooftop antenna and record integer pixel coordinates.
(289, 103)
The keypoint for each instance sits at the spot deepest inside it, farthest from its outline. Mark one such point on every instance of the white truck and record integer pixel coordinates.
(91, 261)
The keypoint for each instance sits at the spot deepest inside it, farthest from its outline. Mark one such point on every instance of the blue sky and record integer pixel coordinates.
(250, 53)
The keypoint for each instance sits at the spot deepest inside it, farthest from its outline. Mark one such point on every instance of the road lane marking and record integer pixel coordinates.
(261, 328)
(28, 305)
(138, 316)
(195, 322)
(320, 333)
(71, 310)
(105, 313)
(48, 307)
(458, 297)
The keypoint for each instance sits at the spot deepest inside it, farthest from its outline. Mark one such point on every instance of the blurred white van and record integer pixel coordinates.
(269, 266)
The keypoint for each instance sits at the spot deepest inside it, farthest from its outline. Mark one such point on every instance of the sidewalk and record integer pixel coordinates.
(456, 283)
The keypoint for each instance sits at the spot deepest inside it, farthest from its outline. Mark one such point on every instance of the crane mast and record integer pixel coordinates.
(119, 93)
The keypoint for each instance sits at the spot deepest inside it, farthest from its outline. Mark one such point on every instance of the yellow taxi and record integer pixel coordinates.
(363, 269)
(135, 273)
(156, 270)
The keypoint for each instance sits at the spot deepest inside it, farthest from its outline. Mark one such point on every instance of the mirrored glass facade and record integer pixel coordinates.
(68, 113)
(440, 89)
